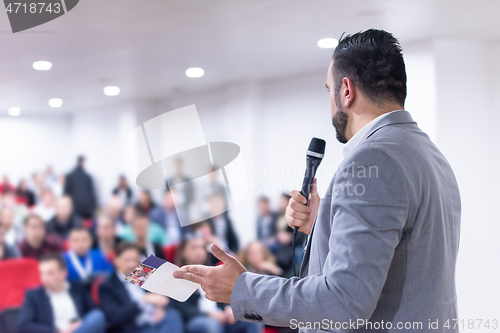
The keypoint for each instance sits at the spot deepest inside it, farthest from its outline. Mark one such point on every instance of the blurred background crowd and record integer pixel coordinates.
(71, 256)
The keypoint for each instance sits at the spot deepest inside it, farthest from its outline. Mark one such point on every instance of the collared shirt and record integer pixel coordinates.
(356, 138)
(63, 307)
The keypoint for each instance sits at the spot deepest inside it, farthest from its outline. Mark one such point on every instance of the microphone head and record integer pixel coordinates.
(317, 148)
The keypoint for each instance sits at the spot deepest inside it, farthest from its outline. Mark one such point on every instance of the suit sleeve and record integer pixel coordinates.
(26, 318)
(367, 216)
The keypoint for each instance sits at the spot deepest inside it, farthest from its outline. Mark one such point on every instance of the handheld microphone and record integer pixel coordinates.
(315, 154)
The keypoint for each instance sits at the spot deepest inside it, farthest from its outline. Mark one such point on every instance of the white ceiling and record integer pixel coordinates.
(144, 46)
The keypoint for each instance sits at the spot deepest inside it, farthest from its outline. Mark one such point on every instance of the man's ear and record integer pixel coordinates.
(349, 91)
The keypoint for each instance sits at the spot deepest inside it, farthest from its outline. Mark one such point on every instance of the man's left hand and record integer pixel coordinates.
(218, 282)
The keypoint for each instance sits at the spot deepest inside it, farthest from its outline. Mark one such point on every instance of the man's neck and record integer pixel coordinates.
(361, 120)
(142, 242)
(56, 289)
(82, 255)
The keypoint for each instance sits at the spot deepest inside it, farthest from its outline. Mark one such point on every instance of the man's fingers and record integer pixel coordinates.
(197, 269)
(189, 276)
(297, 206)
(298, 197)
(220, 253)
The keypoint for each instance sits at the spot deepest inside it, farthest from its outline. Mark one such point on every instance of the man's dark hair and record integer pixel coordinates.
(80, 228)
(373, 60)
(124, 247)
(57, 257)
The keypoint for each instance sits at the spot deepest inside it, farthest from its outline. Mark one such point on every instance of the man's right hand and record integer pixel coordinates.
(301, 215)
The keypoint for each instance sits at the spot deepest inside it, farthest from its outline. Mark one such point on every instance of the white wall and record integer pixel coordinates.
(29, 144)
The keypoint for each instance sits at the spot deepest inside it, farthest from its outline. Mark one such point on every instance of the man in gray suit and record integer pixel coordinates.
(383, 242)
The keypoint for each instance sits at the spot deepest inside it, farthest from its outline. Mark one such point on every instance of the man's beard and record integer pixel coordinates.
(339, 120)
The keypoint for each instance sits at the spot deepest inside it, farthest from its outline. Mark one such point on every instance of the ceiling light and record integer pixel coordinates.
(111, 91)
(55, 102)
(15, 111)
(328, 43)
(42, 65)
(195, 72)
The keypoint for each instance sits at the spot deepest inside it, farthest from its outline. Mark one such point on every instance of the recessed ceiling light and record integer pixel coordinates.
(111, 91)
(15, 111)
(328, 43)
(42, 65)
(195, 72)
(55, 102)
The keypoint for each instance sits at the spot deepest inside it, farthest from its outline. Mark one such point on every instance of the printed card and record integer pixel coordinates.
(156, 275)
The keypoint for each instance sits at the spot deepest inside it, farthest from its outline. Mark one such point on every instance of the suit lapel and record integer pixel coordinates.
(47, 307)
(76, 300)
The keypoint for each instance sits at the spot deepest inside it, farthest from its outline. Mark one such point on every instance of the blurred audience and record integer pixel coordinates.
(183, 187)
(166, 217)
(222, 226)
(58, 306)
(24, 195)
(6, 185)
(7, 251)
(105, 238)
(145, 203)
(19, 211)
(62, 227)
(80, 187)
(129, 308)
(266, 222)
(123, 191)
(64, 220)
(257, 258)
(37, 242)
(200, 314)
(46, 207)
(12, 232)
(149, 237)
(84, 263)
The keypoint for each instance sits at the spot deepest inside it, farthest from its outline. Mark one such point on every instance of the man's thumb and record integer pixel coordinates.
(220, 253)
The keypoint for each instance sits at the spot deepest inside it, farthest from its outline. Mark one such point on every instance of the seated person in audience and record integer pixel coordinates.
(37, 242)
(145, 203)
(200, 314)
(6, 185)
(83, 263)
(114, 209)
(222, 226)
(148, 236)
(105, 238)
(12, 232)
(19, 211)
(64, 220)
(24, 195)
(46, 207)
(58, 306)
(123, 190)
(257, 258)
(166, 216)
(266, 222)
(204, 230)
(129, 308)
(7, 251)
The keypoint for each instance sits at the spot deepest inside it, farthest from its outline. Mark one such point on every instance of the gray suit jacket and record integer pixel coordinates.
(383, 248)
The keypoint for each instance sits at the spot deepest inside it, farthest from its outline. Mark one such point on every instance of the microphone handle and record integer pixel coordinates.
(306, 184)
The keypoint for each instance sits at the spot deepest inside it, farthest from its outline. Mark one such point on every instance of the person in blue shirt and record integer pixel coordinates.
(83, 263)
